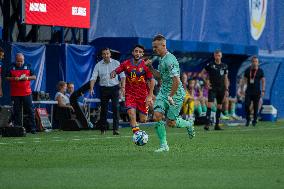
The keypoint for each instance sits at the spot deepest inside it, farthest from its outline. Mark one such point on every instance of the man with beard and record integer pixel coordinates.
(138, 96)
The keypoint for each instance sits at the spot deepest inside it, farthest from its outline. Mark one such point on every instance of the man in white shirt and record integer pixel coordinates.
(109, 88)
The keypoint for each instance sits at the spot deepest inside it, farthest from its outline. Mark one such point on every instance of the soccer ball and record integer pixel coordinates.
(140, 138)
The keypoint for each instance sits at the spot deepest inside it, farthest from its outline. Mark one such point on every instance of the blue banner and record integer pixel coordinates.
(80, 61)
(34, 55)
(243, 22)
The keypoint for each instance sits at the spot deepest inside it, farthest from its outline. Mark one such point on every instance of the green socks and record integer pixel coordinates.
(214, 108)
(160, 128)
(199, 109)
(181, 123)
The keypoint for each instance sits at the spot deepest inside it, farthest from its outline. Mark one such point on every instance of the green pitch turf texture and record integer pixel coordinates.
(238, 157)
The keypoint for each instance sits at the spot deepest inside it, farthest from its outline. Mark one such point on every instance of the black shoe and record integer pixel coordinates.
(206, 127)
(218, 128)
(33, 131)
(115, 132)
(247, 123)
(254, 123)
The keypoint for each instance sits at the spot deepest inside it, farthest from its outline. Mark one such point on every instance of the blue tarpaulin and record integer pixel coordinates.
(34, 55)
(221, 21)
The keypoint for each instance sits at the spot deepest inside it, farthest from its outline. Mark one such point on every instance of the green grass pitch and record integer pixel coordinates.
(238, 157)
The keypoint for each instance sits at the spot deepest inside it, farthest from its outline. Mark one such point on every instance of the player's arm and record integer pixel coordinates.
(175, 85)
(31, 77)
(93, 79)
(118, 70)
(155, 73)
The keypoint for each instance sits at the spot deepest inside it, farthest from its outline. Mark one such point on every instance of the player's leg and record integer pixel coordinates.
(142, 109)
(132, 119)
(220, 99)
(203, 101)
(160, 127)
(174, 120)
(225, 106)
(198, 107)
(130, 104)
(211, 97)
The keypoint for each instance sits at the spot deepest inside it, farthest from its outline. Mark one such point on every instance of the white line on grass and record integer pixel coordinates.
(3, 143)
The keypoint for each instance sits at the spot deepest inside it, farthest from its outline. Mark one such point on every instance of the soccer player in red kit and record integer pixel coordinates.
(139, 86)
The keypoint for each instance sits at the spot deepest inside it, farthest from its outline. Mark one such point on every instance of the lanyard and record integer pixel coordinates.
(250, 74)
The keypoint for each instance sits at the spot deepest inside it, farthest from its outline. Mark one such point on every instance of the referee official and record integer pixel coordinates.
(218, 84)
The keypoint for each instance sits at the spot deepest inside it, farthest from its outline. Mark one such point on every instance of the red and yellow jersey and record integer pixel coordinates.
(136, 77)
(20, 88)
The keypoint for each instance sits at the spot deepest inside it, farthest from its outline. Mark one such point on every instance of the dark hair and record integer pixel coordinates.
(159, 37)
(254, 57)
(70, 83)
(105, 49)
(217, 51)
(139, 46)
(1, 50)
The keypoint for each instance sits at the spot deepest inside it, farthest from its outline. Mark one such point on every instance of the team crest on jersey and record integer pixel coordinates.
(140, 69)
(257, 17)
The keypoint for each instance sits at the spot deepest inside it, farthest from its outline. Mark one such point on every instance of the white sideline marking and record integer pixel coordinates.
(3, 143)
(76, 139)
(19, 142)
(56, 137)
(58, 140)
(37, 138)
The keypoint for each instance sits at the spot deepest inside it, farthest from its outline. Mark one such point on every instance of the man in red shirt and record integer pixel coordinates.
(20, 75)
(138, 92)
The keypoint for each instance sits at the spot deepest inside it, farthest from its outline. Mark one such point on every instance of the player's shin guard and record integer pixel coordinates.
(160, 128)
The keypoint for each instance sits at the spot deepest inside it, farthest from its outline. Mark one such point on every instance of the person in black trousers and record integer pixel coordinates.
(252, 77)
(109, 88)
(218, 85)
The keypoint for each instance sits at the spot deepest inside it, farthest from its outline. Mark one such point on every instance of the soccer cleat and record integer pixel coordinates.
(163, 148)
(224, 117)
(135, 129)
(206, 127)
(190, 131)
